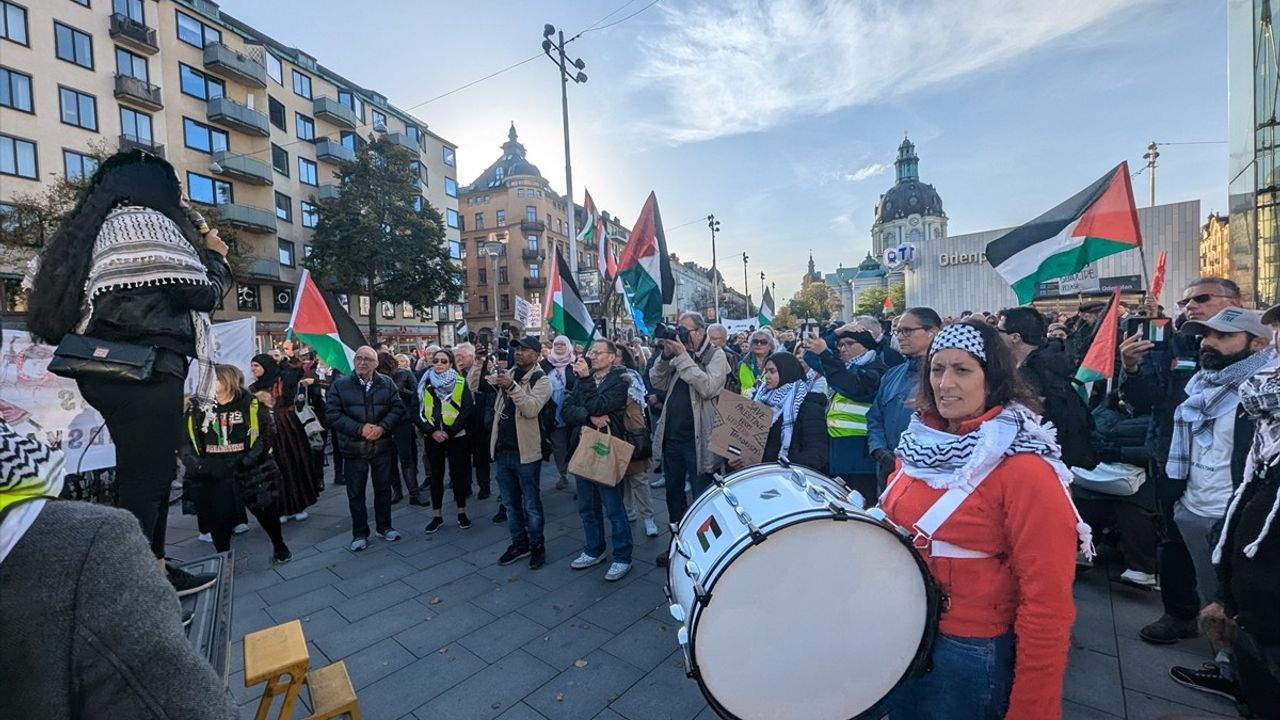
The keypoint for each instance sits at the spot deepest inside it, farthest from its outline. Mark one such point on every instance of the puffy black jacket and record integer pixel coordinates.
(1119, 436)
(160, 316)
(809, 441)
(349, 407)
(590, 399)
(1050, 375)
(407, 384)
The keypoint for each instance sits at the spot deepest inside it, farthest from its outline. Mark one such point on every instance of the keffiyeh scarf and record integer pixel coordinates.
(139, 247)
(635, 387)
(442, 383)
(1211, 394)
(1260, 398)
(785, 401)
(29, 471)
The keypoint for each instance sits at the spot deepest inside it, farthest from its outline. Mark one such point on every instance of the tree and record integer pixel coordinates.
(784, 318)
(871, 300)
(731, 306)
(371, 241)
(816, 300)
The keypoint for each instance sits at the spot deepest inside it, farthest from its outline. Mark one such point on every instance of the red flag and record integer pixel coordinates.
(888, 303)
(1100, 361)
(1157, 280)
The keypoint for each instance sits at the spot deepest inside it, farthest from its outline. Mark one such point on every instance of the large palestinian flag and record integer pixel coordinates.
(766, 309)
(645, 267)
(1098, 221)
(566, 313)
(319, 321)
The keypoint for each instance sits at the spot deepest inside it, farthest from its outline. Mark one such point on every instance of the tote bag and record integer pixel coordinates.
(601, 457)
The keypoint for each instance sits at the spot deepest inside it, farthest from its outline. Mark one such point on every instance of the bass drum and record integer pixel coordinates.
(795, 603)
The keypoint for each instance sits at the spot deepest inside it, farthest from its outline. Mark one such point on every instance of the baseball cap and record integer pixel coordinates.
(1271, 316)
(1230, 320)
(1096, 306)
(529, 343)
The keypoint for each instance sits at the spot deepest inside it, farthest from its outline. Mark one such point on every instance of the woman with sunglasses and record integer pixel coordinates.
(445, 409)
(751, 367)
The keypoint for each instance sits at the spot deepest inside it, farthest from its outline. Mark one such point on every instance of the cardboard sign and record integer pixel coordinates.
(741, 428)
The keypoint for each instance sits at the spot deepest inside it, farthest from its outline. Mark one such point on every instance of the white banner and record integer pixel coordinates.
(535, 316)
(234, 343)
(522, 311)
(737, 326)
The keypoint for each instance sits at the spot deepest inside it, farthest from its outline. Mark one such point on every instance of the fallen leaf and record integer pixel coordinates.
(436, 600)
(443, 650)
(580, 663)
(556, 608)
(559, 697)
(496, 706)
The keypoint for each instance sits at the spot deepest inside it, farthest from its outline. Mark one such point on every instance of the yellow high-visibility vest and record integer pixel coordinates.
(253, 426)
(448, 413)
(846, 418)
(747, 377)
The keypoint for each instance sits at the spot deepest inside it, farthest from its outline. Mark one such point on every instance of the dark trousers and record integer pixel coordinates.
(1177, 571)
(680, 464)
(479, 447)
(145, 422)
(338, 476)
(218, 510)
(407, 459)
(356, 472)
(457, 452)
(1136, 526)
(1259, 669)
(241, 517)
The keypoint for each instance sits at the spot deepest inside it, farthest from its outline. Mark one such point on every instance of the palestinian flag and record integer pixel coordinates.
(566, 313)
(461, 330)
(766, 309)
(1100, 361)
(888, 303)
(708, 532)
(645, 268)
(319, 321)
(1098, 221)
(595, 235)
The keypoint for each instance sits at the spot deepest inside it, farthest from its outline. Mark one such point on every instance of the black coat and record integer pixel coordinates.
(348, 408)
(1249, 587)
(809, 441)
(591, 399)
(1050, 375)
(407, 383)
(252, 470)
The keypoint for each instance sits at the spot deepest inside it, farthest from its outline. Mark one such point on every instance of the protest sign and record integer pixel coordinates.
(741, 428)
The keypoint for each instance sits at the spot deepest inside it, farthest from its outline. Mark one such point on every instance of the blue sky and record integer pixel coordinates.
(783, 117)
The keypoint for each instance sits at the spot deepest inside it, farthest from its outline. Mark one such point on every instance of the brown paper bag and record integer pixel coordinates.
(741, 428)
(601, 457)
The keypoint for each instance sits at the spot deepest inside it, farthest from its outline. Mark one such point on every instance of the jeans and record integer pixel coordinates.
(680, 464)
(971, 680)
(595, 502)
(521, 496)
(356, 474)
(1177, 571)
(406, 439)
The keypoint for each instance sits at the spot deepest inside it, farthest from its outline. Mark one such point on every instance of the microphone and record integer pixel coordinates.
(198, 220)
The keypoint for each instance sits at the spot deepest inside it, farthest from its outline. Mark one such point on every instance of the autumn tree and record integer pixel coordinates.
(816, 300)
(871, 300)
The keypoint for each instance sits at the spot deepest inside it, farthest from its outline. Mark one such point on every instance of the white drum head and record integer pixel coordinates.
(820, 622)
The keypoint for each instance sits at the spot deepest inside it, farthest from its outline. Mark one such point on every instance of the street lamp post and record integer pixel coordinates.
(494, 248)
(762, 290)
(714, 225)
(579, 77)
(746, 289)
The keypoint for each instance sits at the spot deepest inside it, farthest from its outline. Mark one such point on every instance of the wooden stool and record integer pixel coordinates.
(331, 693)
(278, 655)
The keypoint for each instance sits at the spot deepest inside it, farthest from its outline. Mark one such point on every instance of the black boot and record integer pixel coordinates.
(484, 493)
(501, 517)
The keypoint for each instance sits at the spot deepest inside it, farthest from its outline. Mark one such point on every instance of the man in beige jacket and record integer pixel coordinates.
(692, 372)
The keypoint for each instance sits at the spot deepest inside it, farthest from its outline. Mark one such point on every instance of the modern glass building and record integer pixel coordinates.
(1253, 185)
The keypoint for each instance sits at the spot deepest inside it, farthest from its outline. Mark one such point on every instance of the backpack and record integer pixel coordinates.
(732, 380)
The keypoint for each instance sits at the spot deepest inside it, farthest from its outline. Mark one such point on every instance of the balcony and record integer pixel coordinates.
(248, 218)
(138, 92)
(332, 151)
(533, 226)
(242, 167)
(535, 283)
(328, 191)
(232, 114)
(264, 268)
(136, 35)
(228, 63)
(130, 142)
(531, 254)
(405, 142)
(335, 112)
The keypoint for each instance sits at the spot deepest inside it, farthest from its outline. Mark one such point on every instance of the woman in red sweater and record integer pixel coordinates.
(980, 480)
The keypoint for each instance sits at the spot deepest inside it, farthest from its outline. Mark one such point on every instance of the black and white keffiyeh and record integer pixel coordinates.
(1260, 398)
(786, 401)
(29, 472)
(1211, 394)
(962, 336)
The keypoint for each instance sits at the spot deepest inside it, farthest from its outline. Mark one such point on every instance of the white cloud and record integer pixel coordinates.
(738, 66)
(866, 172)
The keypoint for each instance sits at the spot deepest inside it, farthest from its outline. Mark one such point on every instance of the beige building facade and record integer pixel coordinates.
(1215, 247)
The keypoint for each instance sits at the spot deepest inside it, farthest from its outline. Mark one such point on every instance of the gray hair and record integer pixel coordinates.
(718, 328)
(871, 324)
(465, 347)
(697, 318)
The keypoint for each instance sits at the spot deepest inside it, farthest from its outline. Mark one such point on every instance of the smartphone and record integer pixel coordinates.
(1157, 330)
(886, 327)
(503, 344)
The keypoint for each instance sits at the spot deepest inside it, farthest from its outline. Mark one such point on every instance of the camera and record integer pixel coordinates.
(672, 332)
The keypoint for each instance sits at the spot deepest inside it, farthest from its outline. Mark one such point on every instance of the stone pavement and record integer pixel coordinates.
(431, 628)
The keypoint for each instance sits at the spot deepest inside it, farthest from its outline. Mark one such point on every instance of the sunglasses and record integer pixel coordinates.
(759, 342)
(440, 361)
(846, 343)
(1199, 299)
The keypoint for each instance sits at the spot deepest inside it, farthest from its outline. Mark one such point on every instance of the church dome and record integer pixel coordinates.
(908, 196)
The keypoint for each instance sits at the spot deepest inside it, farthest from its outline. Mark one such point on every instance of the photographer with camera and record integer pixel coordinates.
(692, 373)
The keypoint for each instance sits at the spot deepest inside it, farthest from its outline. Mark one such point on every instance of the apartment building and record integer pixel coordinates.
(254, 127)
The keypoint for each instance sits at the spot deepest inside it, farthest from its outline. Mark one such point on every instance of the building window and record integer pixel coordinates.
(17, 157)
(275, 69)
(379, 118)
(282, 297)
(406, 310)
(415, 169)
(532, 241)
(484, 303)
(131, 9)
(310, 215)
(79, 109)
(286, 252)
(559, 225)
(479, 221)
(135, 126)
(131, 65)
(77, 166)
(304, 127)
(520, 192)
(198, 85)
(455, 250)
(198, 136)
(302, 84)
(307, 174)
(284, 207)
(482, 276)
(280, 159)
(193, 32)
(452, 217)
(388, 310)
(13, 23)
(349, 140)
(417, 203)
(413, 132)
(450, 157)
(506, 302)
(248, 298)
(364, 305)
(451, 187)
(15, 90)
(500, 217)
(72, 45)
(275, 112)
(531, 213)
(356, 105)
(533, 270)
(208, 191)
(306, 251)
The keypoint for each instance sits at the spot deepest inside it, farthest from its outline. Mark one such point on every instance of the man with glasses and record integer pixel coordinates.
(852, 381)
(1154, 381)
(890, 413)
(363, 408)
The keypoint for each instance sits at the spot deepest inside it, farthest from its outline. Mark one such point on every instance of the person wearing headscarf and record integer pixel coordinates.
(91, 627)
(558, 366)
(128, 265)
(980, 480)
(445, 407)
(289, 445)
(798, 433)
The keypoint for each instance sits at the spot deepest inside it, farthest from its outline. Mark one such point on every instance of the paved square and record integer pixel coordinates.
(431, 628)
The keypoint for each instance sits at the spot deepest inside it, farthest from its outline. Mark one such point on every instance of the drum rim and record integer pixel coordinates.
(920, 661)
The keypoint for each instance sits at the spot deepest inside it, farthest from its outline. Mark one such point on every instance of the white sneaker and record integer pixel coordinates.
(391, 535)
(650, 527)
(1141, 579)
(301, 516)
(240, 529)
(658, 482)
(284, 519)
(617, 571)
(358, 544)
(584, 561)
(205, 537)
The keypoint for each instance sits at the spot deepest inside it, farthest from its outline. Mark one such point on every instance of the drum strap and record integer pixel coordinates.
(933, 518)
